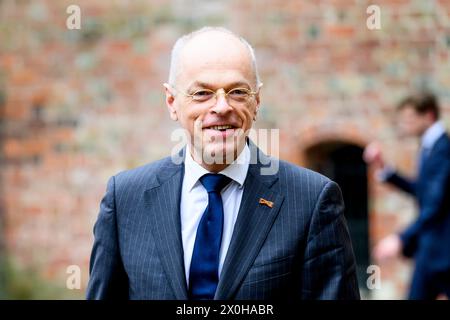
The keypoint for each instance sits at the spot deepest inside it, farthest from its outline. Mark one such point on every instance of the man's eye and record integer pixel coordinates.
(238, 93)
(202, 93)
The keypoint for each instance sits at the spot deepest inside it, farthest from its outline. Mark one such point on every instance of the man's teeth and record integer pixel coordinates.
(221, 127)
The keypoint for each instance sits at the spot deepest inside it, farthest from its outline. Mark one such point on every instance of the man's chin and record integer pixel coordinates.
(220, 153)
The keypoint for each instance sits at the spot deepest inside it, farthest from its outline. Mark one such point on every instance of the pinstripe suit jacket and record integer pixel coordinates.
(298, 249)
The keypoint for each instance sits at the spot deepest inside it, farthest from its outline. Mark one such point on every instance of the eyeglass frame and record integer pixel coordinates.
(249, 92)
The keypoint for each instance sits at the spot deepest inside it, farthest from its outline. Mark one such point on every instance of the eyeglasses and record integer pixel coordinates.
(234, 96)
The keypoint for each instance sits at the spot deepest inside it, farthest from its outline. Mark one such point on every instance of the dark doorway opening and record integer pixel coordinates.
(343, 163)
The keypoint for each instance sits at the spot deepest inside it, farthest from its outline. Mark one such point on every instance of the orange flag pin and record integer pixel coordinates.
(266, 202)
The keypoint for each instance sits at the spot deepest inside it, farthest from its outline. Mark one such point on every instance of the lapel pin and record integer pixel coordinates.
(266, 202)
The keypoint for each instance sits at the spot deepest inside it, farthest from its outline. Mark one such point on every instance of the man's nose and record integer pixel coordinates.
(221, 106)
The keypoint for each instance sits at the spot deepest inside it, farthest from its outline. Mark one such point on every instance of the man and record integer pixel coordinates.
(428, 238)
(209, 228)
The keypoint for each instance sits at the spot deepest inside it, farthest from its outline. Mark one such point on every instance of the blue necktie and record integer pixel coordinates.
(204, 271)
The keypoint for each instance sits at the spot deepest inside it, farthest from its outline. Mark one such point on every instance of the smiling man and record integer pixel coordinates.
(214, 226)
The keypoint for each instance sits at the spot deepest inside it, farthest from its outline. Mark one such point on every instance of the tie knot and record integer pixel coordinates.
(214, 182)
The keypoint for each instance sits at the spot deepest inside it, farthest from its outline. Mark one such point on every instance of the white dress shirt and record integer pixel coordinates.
(432, 134)
(194, 200)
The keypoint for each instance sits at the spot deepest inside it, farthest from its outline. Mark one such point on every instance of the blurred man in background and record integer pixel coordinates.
(428, 238)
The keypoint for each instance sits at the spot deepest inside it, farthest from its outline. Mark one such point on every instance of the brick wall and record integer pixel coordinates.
(80, 105)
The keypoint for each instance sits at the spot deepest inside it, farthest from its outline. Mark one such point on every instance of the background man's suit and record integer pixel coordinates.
(298, 249)
(428, 238)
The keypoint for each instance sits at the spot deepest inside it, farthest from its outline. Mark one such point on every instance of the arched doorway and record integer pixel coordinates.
(343, 163)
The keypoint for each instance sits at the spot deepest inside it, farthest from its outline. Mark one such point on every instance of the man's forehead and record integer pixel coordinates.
(214, 42)
(408, 110)
(216, 58)
(221, 52)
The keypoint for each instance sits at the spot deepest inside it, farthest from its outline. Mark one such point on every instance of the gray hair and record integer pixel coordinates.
(183, 40)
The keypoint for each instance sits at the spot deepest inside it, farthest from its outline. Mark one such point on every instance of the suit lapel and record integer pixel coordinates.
(252, 227)
(429, 154)
(163, 203)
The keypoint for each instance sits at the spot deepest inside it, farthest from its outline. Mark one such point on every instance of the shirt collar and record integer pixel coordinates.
(237, 170)
(432, 134)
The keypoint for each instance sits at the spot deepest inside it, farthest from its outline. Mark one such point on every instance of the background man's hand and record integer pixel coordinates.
(388, 248)
(373, 155)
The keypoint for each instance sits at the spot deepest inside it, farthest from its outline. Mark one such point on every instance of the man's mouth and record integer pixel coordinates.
(221, 128)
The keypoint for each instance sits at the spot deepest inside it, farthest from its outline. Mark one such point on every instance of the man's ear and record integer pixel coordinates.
(431, 117)
(170, 99)
(255, 112)
(257, 99)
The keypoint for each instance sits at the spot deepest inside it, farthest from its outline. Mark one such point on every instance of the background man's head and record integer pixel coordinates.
(417, 113)
(213, 59)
